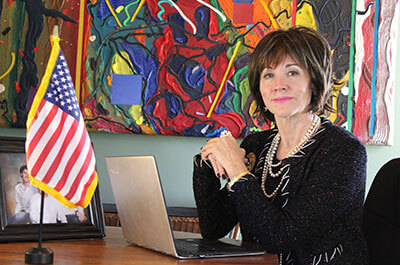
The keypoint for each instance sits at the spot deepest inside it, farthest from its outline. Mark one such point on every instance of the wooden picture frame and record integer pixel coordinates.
(12, 157)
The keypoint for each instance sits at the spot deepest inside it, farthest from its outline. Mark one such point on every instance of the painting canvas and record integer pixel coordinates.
(181, 51)
(180, 67)
(374, 108)
(25, 27)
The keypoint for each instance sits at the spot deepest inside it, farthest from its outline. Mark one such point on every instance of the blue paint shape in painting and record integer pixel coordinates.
(126, 89)
(243, 1)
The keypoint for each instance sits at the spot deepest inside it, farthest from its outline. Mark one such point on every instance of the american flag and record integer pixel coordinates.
(60, 157)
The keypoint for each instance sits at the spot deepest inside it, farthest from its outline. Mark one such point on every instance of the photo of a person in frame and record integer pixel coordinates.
(24, 191)
(22, 199)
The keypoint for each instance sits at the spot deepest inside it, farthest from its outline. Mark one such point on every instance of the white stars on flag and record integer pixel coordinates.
(61, 90)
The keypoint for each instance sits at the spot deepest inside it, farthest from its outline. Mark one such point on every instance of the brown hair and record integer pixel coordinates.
(305, 46)
(22, 168)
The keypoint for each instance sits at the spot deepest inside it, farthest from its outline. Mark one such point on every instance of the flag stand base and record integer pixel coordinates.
(39, 255)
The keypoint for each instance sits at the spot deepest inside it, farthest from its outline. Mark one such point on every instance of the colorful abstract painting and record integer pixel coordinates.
(25, 27)
(374, 108)
(179, 67)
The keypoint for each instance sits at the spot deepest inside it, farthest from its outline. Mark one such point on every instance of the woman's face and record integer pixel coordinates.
(285, 89)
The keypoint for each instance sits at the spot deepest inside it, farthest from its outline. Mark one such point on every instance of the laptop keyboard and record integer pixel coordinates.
(191, 248)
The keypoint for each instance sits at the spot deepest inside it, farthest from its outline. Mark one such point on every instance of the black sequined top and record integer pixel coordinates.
(315, 216)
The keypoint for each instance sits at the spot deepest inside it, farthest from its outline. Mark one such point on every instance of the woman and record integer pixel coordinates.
(297, 189)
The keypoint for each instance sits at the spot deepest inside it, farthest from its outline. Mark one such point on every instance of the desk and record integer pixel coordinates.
(113, 250)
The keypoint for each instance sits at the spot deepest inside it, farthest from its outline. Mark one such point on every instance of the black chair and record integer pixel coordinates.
(381, 217)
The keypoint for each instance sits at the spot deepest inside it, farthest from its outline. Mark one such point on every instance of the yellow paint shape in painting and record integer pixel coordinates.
(136, 113)
(305, 17)
(119, 9)
(88, 112)
(276, 7)
(253, 108)
(120, 65)
(333, 115)
(9, 68)
(335, 94)
(109, 83)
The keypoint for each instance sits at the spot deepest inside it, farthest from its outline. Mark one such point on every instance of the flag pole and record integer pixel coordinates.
(41, 220)
(40, 254)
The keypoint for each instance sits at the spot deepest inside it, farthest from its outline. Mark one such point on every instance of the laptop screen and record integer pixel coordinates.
(140, 202)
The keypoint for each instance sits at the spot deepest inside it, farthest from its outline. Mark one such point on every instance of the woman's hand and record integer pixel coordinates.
(225, 155)
(218, 168)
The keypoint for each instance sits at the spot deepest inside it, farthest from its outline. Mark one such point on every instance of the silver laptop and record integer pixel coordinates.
(143, 213)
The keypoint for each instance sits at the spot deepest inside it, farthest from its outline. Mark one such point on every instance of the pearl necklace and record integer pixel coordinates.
(268, 163)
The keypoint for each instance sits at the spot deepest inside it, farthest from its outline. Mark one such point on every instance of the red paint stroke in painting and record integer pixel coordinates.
(17, 87)
(341, 118)
(37, 48)
(65, 11)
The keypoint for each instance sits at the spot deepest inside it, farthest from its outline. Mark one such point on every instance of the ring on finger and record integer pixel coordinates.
(225, 133)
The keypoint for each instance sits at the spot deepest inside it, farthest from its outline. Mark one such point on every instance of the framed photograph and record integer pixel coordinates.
(20, 204)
